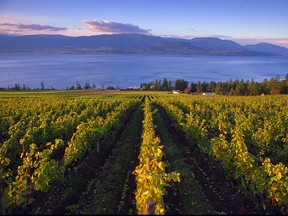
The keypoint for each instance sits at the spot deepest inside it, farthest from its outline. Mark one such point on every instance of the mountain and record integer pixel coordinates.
(215, 43)
(267, 48)
(60, 43)
(132, 43)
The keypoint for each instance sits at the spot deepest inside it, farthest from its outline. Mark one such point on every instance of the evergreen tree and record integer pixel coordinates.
(253, 88)
(219, 90)
(72, 87)
(274, 85)
(211, 86)
(78, 86)
(240, 88)
(193, 87)
(180, 84)
(285, 85)
(24, 87)
(86, 86)
(164, 85)
(199, 87)
(157, 84)
(42, 86)
(264, 86)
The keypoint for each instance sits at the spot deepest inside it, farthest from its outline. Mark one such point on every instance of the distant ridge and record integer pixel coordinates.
(215, 43)
(264, 47)
(134, 44)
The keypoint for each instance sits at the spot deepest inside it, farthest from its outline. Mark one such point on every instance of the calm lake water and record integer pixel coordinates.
(61, 70)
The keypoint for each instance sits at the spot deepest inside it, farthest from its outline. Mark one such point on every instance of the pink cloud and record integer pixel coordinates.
(19, 28)
(113, 27)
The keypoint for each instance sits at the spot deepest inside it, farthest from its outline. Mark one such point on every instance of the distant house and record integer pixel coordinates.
(135, 87)
(208, 93)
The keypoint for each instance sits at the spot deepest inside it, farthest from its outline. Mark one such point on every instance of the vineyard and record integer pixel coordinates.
(96, 152)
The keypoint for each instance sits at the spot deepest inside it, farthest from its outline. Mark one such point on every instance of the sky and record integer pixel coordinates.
(243, 21)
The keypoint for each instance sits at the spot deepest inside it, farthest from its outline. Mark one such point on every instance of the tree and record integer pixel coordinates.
(72, 87)
(144, 86)
(204, 86)
(165, 84)
(198, 87)
(42, 86)
(211, 86)
(274, 85)
(110, 88)
(170, 84)
(187, 90)
(16, 87)
(240, 88)
(86, 86)
(157, 84)
(231, 92)
(219, 90)
(264, 86)
(78, 86)
(193, 87)
(285, 85)
(253, 88)
(180, 84)
(228, 86)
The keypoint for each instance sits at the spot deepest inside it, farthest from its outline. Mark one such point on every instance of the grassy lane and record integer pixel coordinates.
(185, 197)
(112, 192)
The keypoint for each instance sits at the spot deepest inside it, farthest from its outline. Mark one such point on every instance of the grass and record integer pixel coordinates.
(76, 93)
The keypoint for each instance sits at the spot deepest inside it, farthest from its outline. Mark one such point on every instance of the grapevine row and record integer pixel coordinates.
(38, 169)
(228, 137)
(50, 124)
(151, 178)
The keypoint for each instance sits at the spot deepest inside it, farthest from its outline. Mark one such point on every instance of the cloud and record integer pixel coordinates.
(113, 27)
(20, 28)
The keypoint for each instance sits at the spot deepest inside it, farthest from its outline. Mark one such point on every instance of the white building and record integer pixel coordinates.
(208, 93)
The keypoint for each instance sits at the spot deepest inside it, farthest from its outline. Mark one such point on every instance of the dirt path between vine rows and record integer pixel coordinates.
(203, 188)
(101, 183)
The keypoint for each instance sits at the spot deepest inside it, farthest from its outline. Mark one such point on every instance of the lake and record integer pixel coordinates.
(61, 70)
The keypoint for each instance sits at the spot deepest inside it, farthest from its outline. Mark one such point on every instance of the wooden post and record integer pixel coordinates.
(149, 208)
